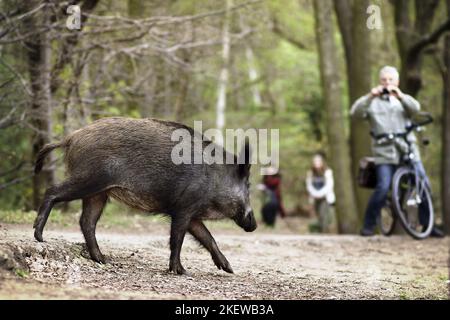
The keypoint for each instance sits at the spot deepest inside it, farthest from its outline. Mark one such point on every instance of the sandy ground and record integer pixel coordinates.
(267, 265)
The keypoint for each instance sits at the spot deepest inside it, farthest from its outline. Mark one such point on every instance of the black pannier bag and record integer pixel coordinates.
(367, 177)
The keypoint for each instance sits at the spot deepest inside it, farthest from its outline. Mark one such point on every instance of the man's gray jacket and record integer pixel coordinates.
(388, 116)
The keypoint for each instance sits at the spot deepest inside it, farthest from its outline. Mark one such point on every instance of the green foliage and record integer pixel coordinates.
(14, 151)
(289, 83)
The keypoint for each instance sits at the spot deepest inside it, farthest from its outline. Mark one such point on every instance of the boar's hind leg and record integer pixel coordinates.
(202, 235)
(67, 191)
(92, 210)
(178, 230)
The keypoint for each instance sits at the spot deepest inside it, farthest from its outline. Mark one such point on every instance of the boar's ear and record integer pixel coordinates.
(244, 160)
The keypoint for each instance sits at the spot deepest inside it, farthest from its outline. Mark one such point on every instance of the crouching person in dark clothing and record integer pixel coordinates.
(272, 203)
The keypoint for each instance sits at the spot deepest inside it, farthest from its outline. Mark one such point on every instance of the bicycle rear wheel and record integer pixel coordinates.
(406, 201)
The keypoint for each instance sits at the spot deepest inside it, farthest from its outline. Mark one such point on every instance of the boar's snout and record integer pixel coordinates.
(250, 225)
(246, 221)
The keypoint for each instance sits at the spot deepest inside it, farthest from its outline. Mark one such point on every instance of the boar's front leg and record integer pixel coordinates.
(178, 230)
(202, 235)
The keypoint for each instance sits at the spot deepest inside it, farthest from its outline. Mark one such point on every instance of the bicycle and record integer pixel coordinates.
(408, 190)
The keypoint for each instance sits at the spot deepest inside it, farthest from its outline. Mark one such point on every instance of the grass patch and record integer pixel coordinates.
(27, 217)
(115, 215)
(119, 215)
(443, 277)
(22, 273)
(404, 296)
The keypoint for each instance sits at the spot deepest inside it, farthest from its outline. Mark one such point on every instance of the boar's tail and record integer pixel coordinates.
(43, 153)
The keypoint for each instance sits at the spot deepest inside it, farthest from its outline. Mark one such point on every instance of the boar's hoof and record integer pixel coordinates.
(178, 269)
(223, 264)
(227, 268)
(99, 258)
(38, 235)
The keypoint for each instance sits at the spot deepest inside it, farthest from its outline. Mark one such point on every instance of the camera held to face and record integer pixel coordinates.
(385, 94)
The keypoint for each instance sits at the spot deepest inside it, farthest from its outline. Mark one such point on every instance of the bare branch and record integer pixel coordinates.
(163, 20)
(280, 32)
(8, 120)
(15, 181)
(427, 40)
(14, 169)
(18, 75)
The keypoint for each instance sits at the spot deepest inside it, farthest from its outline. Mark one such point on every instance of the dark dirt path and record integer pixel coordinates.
(267, 265)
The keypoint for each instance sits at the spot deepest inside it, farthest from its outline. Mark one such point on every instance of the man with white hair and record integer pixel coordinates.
(388, 110)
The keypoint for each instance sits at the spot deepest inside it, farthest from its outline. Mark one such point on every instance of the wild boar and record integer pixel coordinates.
(130, 161)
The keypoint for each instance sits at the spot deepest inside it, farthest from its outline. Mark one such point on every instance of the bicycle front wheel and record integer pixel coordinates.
(412, 204)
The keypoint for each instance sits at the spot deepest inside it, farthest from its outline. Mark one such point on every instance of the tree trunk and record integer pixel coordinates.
(445, 174)
(181, 98)
(39, 65)
(252, 72)
(223, 78)
(252, 75)
(352, 20)
(239, 99)
(339, 150)
(159, 92)
(359, 85)
(167, 102)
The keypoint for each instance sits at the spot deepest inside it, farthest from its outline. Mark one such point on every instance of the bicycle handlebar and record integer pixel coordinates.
(429, 119)
(390, 136)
